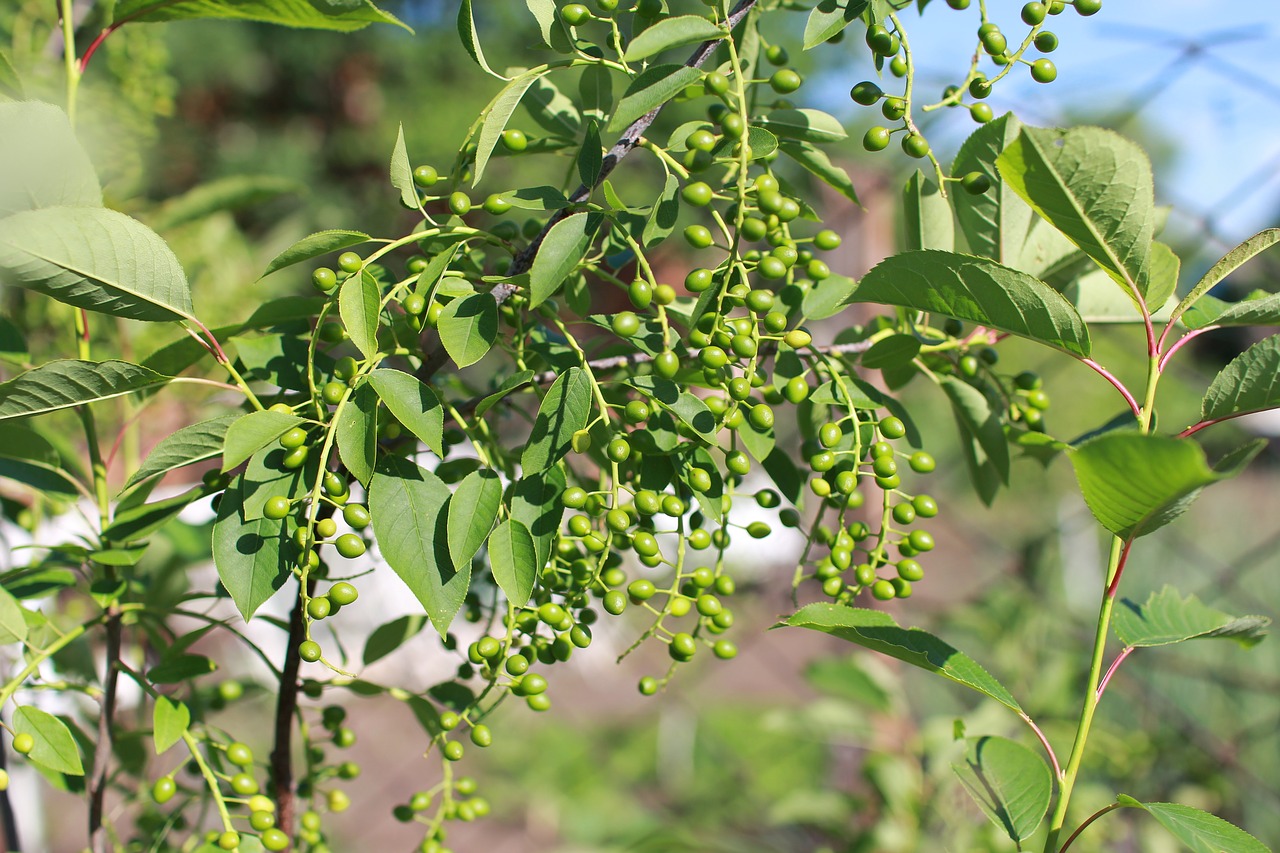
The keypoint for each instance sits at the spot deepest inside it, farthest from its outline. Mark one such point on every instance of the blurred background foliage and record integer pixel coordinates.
(797, 745)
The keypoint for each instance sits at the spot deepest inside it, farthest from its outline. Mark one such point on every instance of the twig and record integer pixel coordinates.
(286, 706)
(626, 143)
(98, 836)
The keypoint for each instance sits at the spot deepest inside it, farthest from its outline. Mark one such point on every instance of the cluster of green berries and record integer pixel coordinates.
(462, 804)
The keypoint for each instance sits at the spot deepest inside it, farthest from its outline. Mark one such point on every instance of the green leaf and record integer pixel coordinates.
(252, 432)
(554, 111)
(357, 432)
(590, 156)
(1010, 783)
(980, 291)
(537, 198)
(42, 164)
(177, 668)
(55, 746)
(1200, 831)
(817, 163)
(595, 91)
(663, 215)
(687, 406)
(929, 222)
(358, 303)
(13, 347)
(1259, 308)
(876, 630)
(41, 476)
(408, 508)
(471, 39)
(995, 223)
(1168, 618)
(511, 383)
(1135, 484)
(496, 116)
(96, 259)
(170, 720)
(402, 172)
(13, 624)
(138, 522)
(649, 91)
(562, 250)
(472, 511)
(828, 297)
(535, 503)
(468, 327)
(806, 125)
(513, 560)
(190, 444)
(1229, 263)
(388, 637)
(562, 412)
(340, 15)
(266, 476)
(672, 32)
(249, 555)
(313, 246)
(413, 404)
(1250, 383)
(1095, 187)
(230, 193)
(67, 382)
(981, 420)
(10, 82)
(829, 18)
(892, 352)
(1097, 299)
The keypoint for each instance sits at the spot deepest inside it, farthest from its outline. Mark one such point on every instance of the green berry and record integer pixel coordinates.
(514, 140)
(1088, 7)
(915, 145)
(324, 279)
(625, 324)
(876, 139)
(23, 743)
(276, 507)
(575, 14)
(784, 81)
(698, 194)
(163, 789)
(975, 183)
(309, 651)
(350, 545)
(866, 93)
(425, 176)
(350, 262)
(1044, 71)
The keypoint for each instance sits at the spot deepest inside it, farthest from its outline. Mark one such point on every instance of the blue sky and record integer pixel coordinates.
(1219, 115)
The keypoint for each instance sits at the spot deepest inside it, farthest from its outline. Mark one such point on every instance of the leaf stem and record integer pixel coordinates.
(65, 9)
(1120, 658)
(1081, 828)
(1119, 386)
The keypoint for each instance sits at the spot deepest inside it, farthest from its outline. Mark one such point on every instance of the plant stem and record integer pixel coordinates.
(286, 706)
(9, 840)
(98, 839)
(1068, 779)
(69, 57)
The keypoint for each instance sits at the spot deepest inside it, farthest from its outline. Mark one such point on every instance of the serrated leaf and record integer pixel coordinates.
(649, 91)
(42, 164)
(1200, 831)
(513, 560)
(471, 39)
(1167, 618)
(357, 432)
(1257, 309)
(358, 303)
(1095, 187)
(1135, 484)
(170, 720)
(981, 421)
(496, 116)
(1250, 383)
(877, 630)
(468, 327)
(672, 32)
(413, 404)
(13, 624)
(807, 125)
(55, 747)
(313, 246)
(401, 172)
(345, 16)
(231, 193)
(252, 432)
(828, 297)
(472, 511)
(817, 163)
(980, 291)
(560, 253)
(388, 637)
(562, 412)
(190, 444)
(929, 222)
(995, 223)
(409, 519)
(68, 382)
(249, 555)
(96, 259)
(535, 503)
(829, 18)
(1010, 783)
(1229, 263)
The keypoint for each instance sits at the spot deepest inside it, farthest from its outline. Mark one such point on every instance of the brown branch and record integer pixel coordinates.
(9, 838)
(286, 707)
(98, 836)
(625, 145)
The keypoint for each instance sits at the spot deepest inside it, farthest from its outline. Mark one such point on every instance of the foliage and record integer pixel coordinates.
(454, 391)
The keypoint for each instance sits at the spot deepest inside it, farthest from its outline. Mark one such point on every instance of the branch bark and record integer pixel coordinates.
(286, 707)
(99, 841)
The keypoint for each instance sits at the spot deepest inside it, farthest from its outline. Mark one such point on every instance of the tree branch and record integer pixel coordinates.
(286, 707)
(98, 836)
